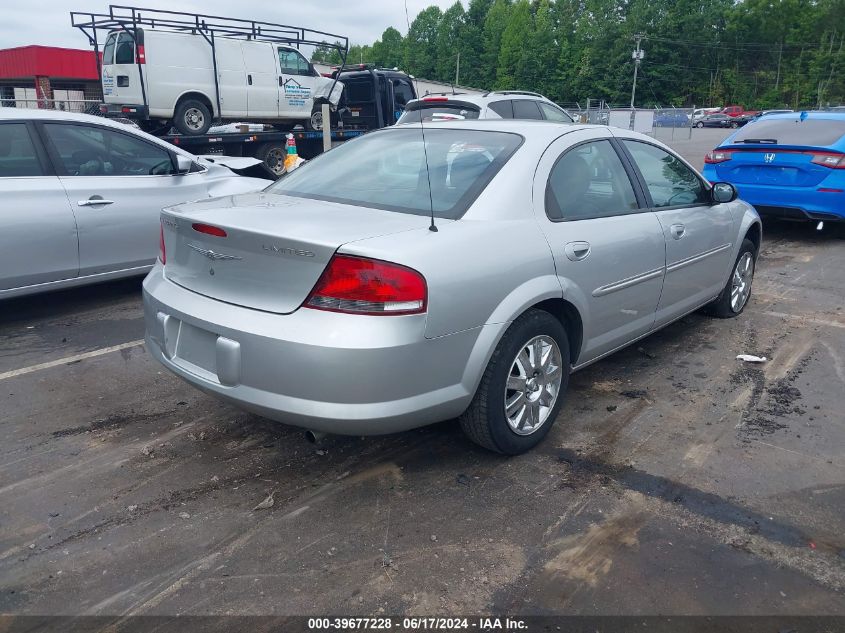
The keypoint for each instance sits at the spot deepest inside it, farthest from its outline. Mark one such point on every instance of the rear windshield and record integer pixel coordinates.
(792, 131)
(443, 111)
(387, 170)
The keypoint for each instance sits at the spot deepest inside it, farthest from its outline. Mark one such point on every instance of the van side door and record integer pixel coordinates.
(262, 91)
(296, 84)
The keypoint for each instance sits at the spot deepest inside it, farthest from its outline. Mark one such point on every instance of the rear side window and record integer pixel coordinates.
(793, 131)
(503, 108)
(669, 181)
(589, 181)
(525, 109)
(440, 111)
(86, 150)
(108, 50)
(358, 91)
(17, 153)
(388, 170)
(124, 53)
(402, 92)
(553, 113)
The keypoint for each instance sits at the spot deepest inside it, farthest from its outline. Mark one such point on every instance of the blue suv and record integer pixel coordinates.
(789, 165)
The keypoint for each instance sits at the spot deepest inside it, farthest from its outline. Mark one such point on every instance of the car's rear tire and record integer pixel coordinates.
(192, 117)
(523, 386)
(734, 125)
(699, 124)
(737, 291)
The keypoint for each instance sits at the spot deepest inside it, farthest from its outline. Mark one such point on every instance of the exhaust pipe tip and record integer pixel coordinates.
(314, 437)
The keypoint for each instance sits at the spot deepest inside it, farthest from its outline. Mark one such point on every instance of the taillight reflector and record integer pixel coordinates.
(216, 231)
(140, 57)
(357, 285)
(162, 252)
(717, 156)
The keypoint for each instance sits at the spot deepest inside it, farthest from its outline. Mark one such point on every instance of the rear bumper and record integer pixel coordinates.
(794, 203)
(320, 370)
(126, 111)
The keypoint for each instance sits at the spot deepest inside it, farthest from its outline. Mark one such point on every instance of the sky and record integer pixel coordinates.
(48, 22)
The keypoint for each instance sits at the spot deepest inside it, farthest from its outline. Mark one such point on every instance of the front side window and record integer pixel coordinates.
(402, 92)
(108, 50)
(553, 113)
(17, 153)
(125, 51)
(388, 170)
(292, 63)
(669, 181)
(525, 109)
(85, 150)
(589, 181)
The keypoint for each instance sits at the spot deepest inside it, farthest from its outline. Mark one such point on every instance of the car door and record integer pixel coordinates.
(117, 183)
(38, 242)
(699, 235)
(296, 85)
(608, 249)
(262, 87)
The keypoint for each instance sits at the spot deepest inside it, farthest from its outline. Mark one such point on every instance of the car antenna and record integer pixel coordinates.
(431, 227)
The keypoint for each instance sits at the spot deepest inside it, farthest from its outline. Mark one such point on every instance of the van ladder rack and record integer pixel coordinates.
(128, 19)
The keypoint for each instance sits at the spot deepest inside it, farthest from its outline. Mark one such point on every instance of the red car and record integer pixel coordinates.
(735, 110)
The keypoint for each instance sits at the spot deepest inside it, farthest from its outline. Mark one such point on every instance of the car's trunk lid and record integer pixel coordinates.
(776, 165)
(274, 249)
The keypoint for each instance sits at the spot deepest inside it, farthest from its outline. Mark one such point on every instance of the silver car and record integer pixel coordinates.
(82, 197)
(353, 297)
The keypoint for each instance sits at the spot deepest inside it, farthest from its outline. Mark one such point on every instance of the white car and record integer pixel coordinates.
(505, 104)
(82, 197)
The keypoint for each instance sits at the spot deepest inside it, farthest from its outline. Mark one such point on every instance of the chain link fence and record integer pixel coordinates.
(663, 123)
(88, 106)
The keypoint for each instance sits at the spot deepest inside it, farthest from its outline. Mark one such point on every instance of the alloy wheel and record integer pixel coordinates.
(741, 281)
(533, 385)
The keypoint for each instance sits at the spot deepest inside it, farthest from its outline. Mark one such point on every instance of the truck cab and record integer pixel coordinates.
(372, 97)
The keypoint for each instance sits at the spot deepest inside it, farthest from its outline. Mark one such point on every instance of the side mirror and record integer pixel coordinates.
(183, 164)
(723, 192)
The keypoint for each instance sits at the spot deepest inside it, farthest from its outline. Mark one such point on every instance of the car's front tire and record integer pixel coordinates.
(523, 386)
(699, 124)
(737, 291)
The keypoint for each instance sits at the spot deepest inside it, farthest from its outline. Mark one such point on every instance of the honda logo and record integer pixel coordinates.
(769, 158)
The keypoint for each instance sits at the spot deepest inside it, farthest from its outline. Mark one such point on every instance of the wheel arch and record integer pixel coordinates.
(200, 96)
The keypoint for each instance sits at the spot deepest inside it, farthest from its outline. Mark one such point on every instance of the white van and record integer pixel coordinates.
(262, 81)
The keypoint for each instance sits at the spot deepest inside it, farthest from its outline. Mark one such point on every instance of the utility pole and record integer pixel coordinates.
(637, 56)
(458, 69)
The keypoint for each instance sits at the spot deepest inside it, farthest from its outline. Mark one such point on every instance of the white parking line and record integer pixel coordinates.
(69, 359)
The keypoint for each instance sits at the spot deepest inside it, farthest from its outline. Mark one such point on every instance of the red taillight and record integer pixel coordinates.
(435, 98)
(162, 252)
(367, 286)
(140, 57)
(216, 231)
(833, 161)
(717, 156)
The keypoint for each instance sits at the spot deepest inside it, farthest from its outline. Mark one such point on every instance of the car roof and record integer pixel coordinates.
(809, 114)
(485, 97)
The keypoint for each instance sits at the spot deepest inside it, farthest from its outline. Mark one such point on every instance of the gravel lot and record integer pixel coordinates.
(676, 481)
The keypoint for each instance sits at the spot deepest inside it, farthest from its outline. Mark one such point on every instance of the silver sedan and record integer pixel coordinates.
(463, 270)
(82, 197)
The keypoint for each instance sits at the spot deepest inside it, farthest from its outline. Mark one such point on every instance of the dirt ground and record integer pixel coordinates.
(677, 480)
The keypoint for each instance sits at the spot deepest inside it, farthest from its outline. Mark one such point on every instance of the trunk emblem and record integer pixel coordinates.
(207, 252)
(769, 157)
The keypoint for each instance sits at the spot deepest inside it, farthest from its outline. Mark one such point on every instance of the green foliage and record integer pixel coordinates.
(756, 53)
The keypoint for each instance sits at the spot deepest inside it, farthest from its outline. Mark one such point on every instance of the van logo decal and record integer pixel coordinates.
(768, 157)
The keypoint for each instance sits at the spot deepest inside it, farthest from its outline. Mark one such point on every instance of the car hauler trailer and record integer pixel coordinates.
(162, 67)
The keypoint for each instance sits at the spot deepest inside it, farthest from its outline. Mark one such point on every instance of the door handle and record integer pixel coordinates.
(281, 81)
(677, 231)
(94, 201)
(576, 251)
(249, 79)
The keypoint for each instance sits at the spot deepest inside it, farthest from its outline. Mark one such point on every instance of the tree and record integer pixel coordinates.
(513, 58)
(421, 43)
(494, 26)
(389, 52)
(449, 35)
